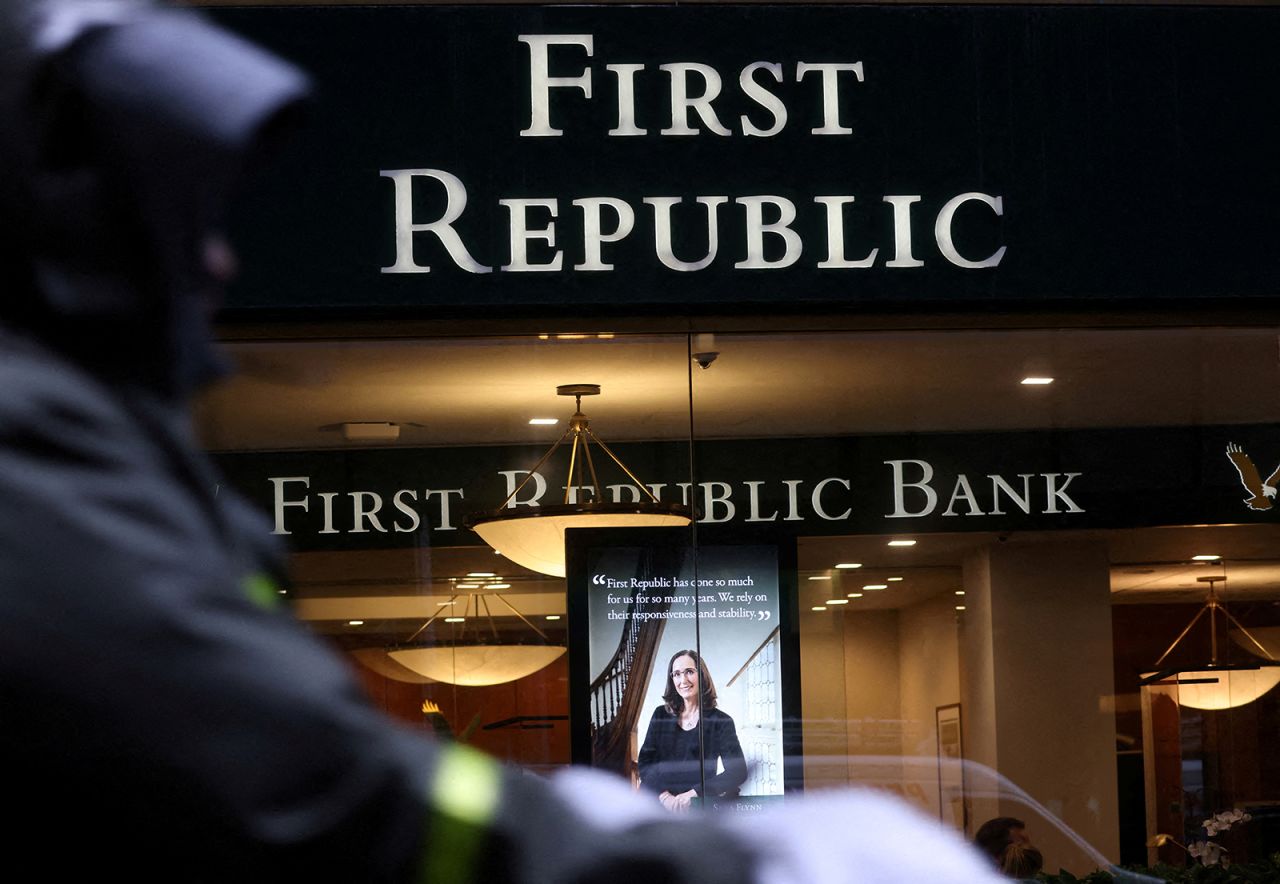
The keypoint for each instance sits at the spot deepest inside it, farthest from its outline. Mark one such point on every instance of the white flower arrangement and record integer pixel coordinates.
(1211, 853)
(1220, 822)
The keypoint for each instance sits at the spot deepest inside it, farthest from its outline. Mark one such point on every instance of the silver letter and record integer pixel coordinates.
(540, 81)
(942, 230)
(681, 103)
(455, 202)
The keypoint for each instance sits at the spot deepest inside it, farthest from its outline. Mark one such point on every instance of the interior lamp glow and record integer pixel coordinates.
(475, 656)
(533, 536)
(1222, 688)
(476, 665)
(1215, 684)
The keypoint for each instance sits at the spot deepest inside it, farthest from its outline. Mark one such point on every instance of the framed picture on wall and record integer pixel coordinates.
(952, 806)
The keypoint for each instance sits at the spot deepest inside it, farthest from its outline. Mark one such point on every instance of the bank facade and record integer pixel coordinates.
(937, 345)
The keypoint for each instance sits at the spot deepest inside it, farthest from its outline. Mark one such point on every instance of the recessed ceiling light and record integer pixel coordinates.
(481, 574)
(821, 577)
(553, 616)
(455, 619)
(959, 607)
(818, 608)
(1205, 558)
(959, 592)
(876, 586)
(836, 602)
(497, 586)
(893, 579)
(355, 623)
(544, 421)
(467, 586)
(845, 565)
(1036, 381)
(902, 543)
(854, 595)
(282, 591)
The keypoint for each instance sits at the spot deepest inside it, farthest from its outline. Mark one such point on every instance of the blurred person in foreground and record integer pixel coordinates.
(162, 717)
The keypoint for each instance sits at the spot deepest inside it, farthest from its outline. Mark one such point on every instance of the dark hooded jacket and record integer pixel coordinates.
(162, 716)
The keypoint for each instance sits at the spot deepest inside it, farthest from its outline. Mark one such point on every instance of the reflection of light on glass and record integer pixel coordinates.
(854, 595)
(876, 586)
(818, 608)
(1205, 558)
(902, 543)
(837, 601)
(1034, 381)
(1222, 688)
(497, 586)
(481, 574)
(821, 577)
(893, 579)
(846, 565)
(544, 421)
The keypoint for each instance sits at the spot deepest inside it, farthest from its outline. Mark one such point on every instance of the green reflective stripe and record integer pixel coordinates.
(464, 800)
(262, 591)
(467, 786)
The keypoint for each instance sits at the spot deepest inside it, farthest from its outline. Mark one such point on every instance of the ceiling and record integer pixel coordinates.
(483, 391)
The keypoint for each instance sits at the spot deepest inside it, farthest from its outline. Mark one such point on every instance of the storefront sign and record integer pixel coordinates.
(554, 159)
(863, 484)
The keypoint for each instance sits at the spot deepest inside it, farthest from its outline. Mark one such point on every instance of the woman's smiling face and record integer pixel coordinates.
(684, 675)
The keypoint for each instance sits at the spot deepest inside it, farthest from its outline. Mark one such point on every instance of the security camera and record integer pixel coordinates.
(704, 347)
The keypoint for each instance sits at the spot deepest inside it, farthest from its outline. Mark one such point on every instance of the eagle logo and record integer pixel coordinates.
(1260, 492)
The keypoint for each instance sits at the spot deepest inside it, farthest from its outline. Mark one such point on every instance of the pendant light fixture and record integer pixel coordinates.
(533, 536)
(1217, 684)
(475, 656)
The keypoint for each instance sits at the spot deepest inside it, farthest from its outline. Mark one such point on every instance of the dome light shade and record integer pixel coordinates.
(1217, 684)
(380, 662)
(1213, 689)
(477, 665)
(533, 536)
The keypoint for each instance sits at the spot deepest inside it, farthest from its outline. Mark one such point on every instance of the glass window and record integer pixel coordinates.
(1000, 572)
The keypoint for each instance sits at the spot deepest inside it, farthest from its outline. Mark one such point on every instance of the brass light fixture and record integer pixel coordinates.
(1216, 684)
(533, 536)
(472, 658)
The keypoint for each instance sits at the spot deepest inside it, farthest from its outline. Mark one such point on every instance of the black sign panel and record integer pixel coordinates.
(768, 488)
(712, 158)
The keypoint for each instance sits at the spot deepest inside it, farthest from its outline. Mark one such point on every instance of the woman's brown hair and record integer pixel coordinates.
(706, 687)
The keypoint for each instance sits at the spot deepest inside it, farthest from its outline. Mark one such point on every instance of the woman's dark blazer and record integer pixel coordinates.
(661, 771)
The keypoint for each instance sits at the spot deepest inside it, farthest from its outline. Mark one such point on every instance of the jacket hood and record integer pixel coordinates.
(124, 129)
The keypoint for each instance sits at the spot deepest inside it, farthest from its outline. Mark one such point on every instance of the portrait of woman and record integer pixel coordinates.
(688, 727)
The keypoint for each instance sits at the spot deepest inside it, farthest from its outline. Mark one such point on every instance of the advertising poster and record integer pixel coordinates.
(663, 630)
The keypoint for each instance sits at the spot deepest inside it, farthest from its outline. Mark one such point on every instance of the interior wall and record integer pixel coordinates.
(929, 668)
(873, 698)
(822, 699)
(1039, 625)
